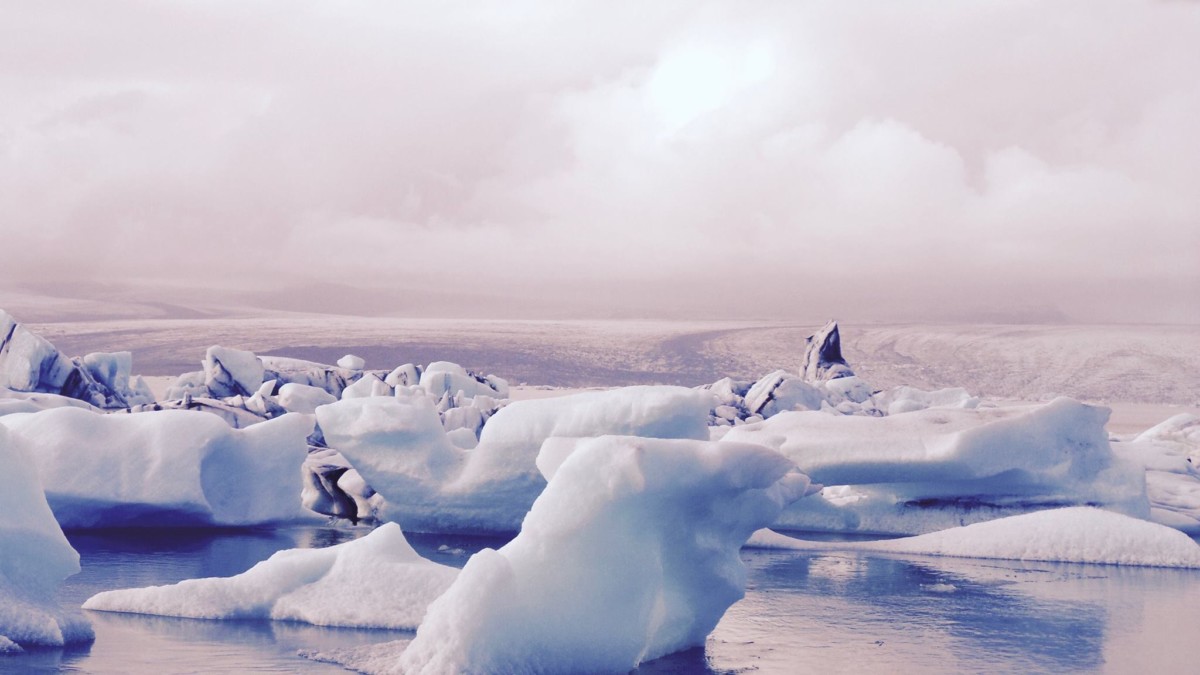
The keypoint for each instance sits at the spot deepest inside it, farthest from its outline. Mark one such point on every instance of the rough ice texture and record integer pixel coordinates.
(29, 363)
(165, 468)
(35, 558)
(443, 377)
(900, 400)
(1077, 534)
(232, 372)
(823, 356)
(330, 378)
(631, 553)
(369, 384)
(377, 581)
(938, 468)
(401, 449)
(1170, 452)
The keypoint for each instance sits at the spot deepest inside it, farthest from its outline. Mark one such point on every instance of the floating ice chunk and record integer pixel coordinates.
(779, 392)
(113, 370)
(368, 385)
(1170, 452)
(442, 377)
(823, 356)
(377, 581)
(232, 372)
(12, 402)
(351, 362)
(29, 363)
(322, 470)
(940, 467)
(188, 384)
(165, 468)
(402, 450)
(849, 388)
(631, 553)
(908, 399)
(1078, 534)
(302, 398)
(35, 558)
(298, 371)
(470, 419)
(406, 375)
(463, 438)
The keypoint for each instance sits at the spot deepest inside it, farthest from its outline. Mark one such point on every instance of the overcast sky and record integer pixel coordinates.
(887, 159)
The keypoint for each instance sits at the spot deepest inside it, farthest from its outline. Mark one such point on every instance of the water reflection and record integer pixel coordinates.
(833, 612)
(855, 612)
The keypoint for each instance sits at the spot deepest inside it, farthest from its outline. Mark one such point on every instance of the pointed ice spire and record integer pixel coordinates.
(823, 357)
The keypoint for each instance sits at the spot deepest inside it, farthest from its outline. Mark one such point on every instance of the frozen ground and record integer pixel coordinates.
(1157, 365)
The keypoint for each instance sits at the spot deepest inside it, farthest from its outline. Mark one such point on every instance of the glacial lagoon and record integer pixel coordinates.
(828, 612)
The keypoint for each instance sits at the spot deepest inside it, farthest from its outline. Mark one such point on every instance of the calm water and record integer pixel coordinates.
(803, 612)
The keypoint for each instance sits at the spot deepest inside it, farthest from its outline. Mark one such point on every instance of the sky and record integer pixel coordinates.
(895, 161)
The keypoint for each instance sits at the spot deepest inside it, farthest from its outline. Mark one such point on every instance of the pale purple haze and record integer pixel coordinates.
(891, 160)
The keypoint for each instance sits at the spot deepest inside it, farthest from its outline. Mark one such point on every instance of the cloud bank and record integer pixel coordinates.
(725, 159)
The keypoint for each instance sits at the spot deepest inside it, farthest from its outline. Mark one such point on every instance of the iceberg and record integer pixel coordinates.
(377, 581)
(442, 377)
(231, 372)
(1078, 534)
(29, 363)
(631, 553)
(401, 449)
(303, 398)
(1170, 453)
(35, 558)
(168, 467)
(823, 356)
(943, 467)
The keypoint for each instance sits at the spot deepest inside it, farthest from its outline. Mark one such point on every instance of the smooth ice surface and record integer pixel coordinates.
(401, 449)
(936, 468)
(377, 581)
(165, 468)
(1078, 534)
(303, 398)
(630, 553)
(35, 558)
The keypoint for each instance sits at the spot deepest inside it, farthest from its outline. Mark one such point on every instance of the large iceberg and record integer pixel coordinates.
(168, 467)
(377, 581)
(1078, 534)
(938, 468)
(1170, 452)
(401, 449)
(631, 553)
(29, 363)
(35, 558)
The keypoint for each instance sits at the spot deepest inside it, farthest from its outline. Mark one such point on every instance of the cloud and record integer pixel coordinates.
(748, 159)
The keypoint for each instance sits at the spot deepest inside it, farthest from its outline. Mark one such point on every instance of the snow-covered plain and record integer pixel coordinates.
(1123, 363)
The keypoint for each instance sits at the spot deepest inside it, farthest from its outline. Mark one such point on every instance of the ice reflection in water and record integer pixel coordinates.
(804, 611)
(851, 612)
